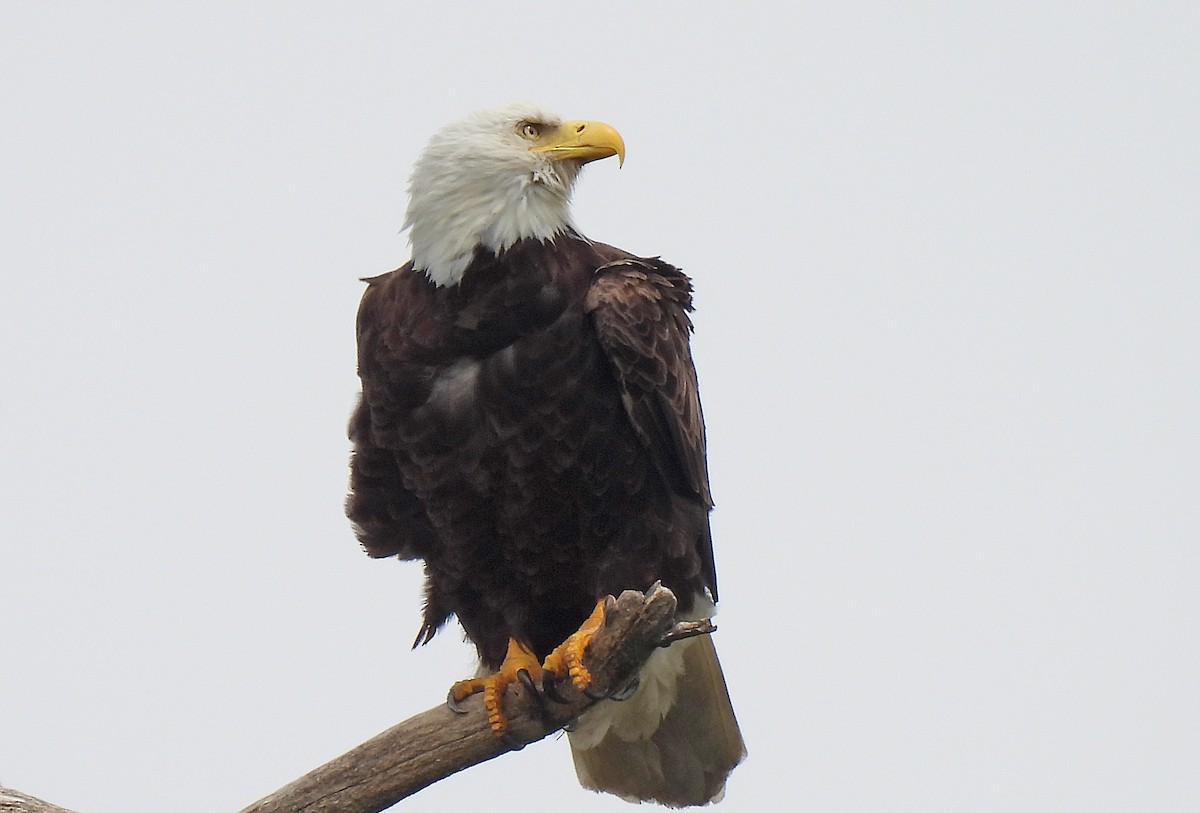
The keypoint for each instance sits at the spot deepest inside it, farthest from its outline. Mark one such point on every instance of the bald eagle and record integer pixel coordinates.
(530, 428)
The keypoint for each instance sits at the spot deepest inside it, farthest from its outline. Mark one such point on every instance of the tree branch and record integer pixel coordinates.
(13, 801)
(437, 743)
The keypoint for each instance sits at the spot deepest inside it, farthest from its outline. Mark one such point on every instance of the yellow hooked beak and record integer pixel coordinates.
(582, 141)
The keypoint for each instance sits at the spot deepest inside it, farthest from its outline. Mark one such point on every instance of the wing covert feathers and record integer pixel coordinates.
(640, 308)
(640, 311)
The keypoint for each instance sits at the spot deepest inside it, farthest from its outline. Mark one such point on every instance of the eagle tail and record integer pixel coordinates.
(673, 742)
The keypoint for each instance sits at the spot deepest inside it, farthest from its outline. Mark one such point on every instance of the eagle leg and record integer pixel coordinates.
(520, 665)
(567, 658)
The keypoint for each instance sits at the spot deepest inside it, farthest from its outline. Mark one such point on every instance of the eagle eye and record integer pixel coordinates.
(530, 130)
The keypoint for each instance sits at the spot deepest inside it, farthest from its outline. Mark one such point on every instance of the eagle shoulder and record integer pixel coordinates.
(639, 308)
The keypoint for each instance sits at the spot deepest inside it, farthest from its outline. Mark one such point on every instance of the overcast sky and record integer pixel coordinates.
(947, 262)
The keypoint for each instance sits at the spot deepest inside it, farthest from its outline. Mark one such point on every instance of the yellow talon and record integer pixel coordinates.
(495, 686)
(567, 658)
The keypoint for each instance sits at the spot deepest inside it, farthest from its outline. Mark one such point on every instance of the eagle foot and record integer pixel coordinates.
(453, 703)
(520, 666)
(567, 659)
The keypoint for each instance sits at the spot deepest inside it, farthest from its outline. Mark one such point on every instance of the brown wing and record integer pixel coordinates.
(639, 308)
(387, 517)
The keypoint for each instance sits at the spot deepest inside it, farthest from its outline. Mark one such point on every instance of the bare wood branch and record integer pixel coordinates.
(13, 801)
(437, 743)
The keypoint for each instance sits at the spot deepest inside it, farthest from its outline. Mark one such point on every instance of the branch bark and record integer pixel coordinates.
(13, 801)
(437, 743)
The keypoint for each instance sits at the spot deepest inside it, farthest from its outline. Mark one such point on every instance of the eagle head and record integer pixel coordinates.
(494, 178)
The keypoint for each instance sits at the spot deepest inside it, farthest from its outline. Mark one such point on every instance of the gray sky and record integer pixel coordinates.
(949, 310)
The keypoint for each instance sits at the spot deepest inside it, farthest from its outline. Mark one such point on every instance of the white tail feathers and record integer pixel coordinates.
(673, 742)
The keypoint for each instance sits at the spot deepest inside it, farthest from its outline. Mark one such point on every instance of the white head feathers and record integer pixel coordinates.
(488, 181)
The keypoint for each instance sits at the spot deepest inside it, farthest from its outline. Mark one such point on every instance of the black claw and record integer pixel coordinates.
(627, 691)
(454, 704)
(527, 680)
(595, 694)
(624, 693)
(512, 742)
(687, 629)
(550, 689)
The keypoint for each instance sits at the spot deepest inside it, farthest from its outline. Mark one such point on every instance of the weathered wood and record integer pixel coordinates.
(13, 801)
(437, 743)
